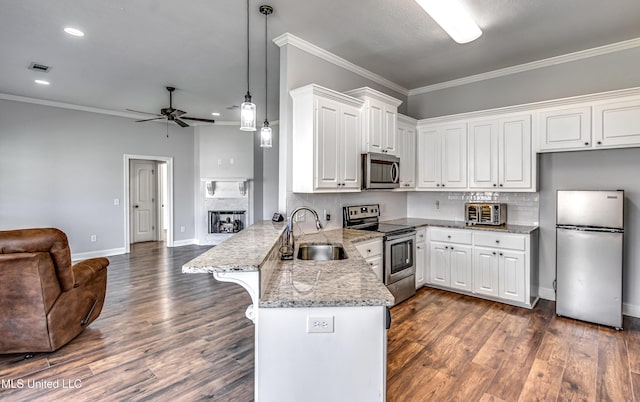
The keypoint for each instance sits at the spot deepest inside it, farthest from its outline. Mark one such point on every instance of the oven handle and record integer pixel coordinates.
(395, 174)
(402, 237)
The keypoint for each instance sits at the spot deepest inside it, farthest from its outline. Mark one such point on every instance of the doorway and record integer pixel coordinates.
(148, 201)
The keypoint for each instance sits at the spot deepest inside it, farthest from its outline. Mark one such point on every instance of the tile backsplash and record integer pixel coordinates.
(523, 208)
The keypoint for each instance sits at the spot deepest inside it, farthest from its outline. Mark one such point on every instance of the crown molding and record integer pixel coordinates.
(290, 39)
(552, 61)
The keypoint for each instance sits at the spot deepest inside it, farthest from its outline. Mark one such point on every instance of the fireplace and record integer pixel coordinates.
(226, 221)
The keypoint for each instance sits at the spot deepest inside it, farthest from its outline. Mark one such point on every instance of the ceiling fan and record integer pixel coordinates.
(171, 114)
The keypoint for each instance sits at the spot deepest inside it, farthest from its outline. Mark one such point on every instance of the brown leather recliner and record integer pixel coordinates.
(45, 301)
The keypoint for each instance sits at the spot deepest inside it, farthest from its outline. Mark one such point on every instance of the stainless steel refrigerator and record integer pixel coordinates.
(589, 237)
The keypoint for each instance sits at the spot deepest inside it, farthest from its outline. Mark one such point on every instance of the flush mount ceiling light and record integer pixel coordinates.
(74, 31)
(453, 18)
(247, 108)
(215, 114)
(265, 132)
(42, 82)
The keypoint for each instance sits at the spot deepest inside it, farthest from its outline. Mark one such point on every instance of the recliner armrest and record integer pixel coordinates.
(85, 270)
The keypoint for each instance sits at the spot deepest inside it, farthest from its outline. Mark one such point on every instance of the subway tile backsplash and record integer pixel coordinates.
(523, 208)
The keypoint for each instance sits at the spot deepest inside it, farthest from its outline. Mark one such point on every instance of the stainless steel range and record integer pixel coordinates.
(399, 267)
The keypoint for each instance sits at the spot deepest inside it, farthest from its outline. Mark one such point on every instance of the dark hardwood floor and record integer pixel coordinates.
(165, 335)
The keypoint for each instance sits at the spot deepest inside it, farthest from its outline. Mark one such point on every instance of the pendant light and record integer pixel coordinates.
(247, 108)
(265, 132)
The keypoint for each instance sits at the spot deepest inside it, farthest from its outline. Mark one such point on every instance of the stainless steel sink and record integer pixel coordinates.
(321, 251)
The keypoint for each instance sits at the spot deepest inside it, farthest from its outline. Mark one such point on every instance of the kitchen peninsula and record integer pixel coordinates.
(319, 325)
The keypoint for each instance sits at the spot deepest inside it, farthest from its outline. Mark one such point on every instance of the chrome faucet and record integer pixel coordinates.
(290, 242)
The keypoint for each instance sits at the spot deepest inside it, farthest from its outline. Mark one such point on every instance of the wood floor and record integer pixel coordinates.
(164, 335)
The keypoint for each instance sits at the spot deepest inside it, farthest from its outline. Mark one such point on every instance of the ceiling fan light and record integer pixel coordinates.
(453, 18)
(74, 32)
(247, 114)
(266, 136)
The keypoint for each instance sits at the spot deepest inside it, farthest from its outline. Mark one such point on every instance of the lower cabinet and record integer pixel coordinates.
(371, 250)
(421, 257)
(494, 265)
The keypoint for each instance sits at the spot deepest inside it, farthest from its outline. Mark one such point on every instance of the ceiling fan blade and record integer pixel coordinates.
(177, 113)
(139, 111)
(155, 118)
(180, 122)
(198, 119)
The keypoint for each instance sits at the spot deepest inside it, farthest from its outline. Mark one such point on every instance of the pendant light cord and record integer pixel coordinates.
(266, 75)
(248, 47)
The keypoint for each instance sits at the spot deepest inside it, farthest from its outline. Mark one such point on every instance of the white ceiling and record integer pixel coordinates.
(134, 48)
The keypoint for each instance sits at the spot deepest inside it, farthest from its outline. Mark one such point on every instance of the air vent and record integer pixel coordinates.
(39, 67)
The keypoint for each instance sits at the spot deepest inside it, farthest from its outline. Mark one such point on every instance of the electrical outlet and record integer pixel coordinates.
(437, 204)
(94, 238)
(327, 215)
(116, 201)
(182, 229)
(319, 324)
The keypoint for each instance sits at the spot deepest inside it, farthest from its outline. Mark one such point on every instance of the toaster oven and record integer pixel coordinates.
(485, 213)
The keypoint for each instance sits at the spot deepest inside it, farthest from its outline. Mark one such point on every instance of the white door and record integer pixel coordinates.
(429, 162)
(454, 156)
(327, 144)
(349, 167)
(483, 155)
(485, 272)
(439, 253)
(512, 281)
(142, 195)
(515, 152)
(460, 263)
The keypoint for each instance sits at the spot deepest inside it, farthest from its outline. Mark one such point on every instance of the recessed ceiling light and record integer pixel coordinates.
(74, 31)
(42, 82)
(453, 18)
(215, 114)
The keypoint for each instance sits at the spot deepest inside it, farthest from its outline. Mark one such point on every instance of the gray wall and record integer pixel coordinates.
(597, 74)
(63, 168)
(225, 152)
(299, 68)
(592, 170)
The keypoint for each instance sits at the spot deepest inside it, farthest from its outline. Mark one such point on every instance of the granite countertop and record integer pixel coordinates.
(417, 222)
(339, 283)
(244, 251)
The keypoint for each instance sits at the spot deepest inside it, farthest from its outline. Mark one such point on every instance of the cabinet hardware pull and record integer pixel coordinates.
(500, 184)
(437, 185)
(368, 250)
(497, 241)
(586, 143)
(494, 253)
(500, 253)
(599, 142)
(448, 237)
(451, 247)
(443, 185)
(495, 185)
(446, 247)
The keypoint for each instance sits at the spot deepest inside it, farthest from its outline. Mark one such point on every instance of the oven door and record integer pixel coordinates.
(399, 257)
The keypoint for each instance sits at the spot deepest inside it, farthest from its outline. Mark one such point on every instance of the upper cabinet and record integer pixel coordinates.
(379, 117)
(617, 123)
(442, 157)
(406, 139)
(326, 140)
(565, 128)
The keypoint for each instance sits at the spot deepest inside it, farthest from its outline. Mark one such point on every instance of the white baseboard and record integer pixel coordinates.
(547, 293)
(97, 253)
(632, 310)
(185, 242)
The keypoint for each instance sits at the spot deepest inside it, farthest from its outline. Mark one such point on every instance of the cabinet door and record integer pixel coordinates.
(483, 155)
(406, 140)
(565, 129)
(514, 163)
(439, 264)
(485, 272)
(376, 265)
(327, 144)
(512, 278)
(460, 267)
(349, 166)
(617, 124)
(429, 162)
(420, 264)
(454, 156)
(376, 124)
(389, 130)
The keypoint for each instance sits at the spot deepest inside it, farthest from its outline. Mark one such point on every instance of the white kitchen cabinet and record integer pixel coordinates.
(617, 124)
(371, 250)
(450, 258)
(564, 128)
(489, 264)
(326, 140)
(442, 157)
(421, 257)
(406, 137)
(379, 116)
(483, 155)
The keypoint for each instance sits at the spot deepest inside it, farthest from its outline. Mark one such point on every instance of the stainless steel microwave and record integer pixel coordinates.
(380, 171)
(485, 213)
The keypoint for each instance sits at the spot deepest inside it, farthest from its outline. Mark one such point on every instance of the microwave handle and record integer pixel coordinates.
(395, 172)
